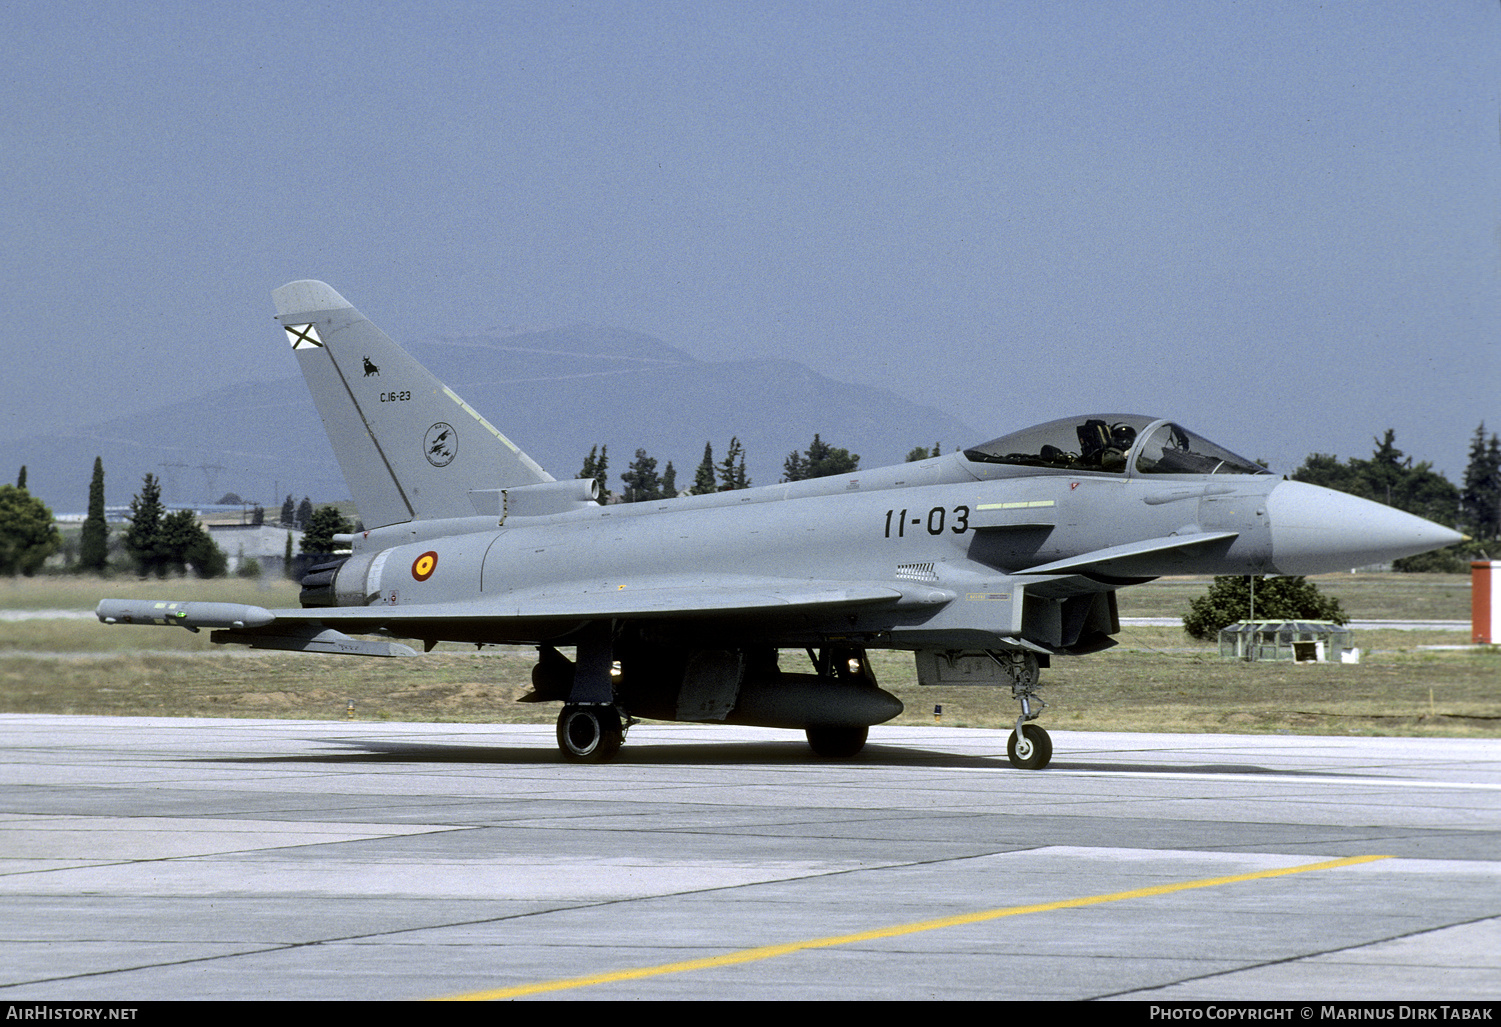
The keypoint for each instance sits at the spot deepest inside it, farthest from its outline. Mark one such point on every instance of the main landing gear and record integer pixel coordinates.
(1029, 747)
(848, 665)
(589, 732)
(840, 742)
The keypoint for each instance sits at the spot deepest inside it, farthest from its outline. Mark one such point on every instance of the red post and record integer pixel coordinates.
(1485, 602)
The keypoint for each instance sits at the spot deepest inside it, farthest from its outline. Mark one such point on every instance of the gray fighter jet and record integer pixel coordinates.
(985, 564)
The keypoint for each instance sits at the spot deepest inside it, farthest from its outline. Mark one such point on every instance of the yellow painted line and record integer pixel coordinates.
(896, 931)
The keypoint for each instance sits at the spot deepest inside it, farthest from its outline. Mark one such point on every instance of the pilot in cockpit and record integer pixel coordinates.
(1103, 445)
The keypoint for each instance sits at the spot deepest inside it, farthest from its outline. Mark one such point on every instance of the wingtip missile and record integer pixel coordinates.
(185, 615)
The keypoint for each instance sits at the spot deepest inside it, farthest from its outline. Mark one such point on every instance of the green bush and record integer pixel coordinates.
(1229, 600)
(27, 534)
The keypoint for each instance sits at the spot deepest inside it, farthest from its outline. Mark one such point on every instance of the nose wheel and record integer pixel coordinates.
(1029, 747)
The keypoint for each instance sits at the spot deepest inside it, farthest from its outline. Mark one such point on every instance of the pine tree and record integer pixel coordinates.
(703, 478)
(670, 482)
(820, 460)
(304, 513)
(597, 467)
(1493, 464)
(21, 479)
(159, 541)
(732, 468)
(93, 543)
(1481, 499)
(1387, 467)
(288, 511)
(641, 481)
(143, 539)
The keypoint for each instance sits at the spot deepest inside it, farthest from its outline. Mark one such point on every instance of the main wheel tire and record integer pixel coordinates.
(837, 741)
(1033, 751)
(589, 734)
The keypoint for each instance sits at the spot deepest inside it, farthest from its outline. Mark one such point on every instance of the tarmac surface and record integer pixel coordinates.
(1354, 625)
(147, 859)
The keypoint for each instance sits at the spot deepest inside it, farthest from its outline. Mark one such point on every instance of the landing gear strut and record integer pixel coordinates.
(1029, 747)
(589, 733)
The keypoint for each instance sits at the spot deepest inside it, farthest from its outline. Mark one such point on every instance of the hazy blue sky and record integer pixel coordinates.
(1279, 222)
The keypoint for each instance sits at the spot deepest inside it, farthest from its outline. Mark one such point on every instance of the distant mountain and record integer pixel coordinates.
(555, 393)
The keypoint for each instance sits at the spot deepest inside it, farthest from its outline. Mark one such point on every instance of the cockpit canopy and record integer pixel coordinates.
(1114, 443)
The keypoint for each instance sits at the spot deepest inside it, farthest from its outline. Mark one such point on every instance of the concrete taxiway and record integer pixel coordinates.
(147, 859)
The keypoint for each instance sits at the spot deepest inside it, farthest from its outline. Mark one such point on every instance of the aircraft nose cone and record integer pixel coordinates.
(1317, 530)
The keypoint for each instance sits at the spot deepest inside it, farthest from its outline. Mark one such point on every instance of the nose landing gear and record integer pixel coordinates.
(1029, 747)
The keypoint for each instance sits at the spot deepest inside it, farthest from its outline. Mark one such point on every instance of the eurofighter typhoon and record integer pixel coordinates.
(984, 564)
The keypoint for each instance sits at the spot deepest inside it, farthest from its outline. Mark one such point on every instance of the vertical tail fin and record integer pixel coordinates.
(409, 448)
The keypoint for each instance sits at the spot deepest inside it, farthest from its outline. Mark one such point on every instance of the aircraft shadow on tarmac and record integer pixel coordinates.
(767, 753)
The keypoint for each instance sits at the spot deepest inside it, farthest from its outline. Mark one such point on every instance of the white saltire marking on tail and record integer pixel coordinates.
(303, 336)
